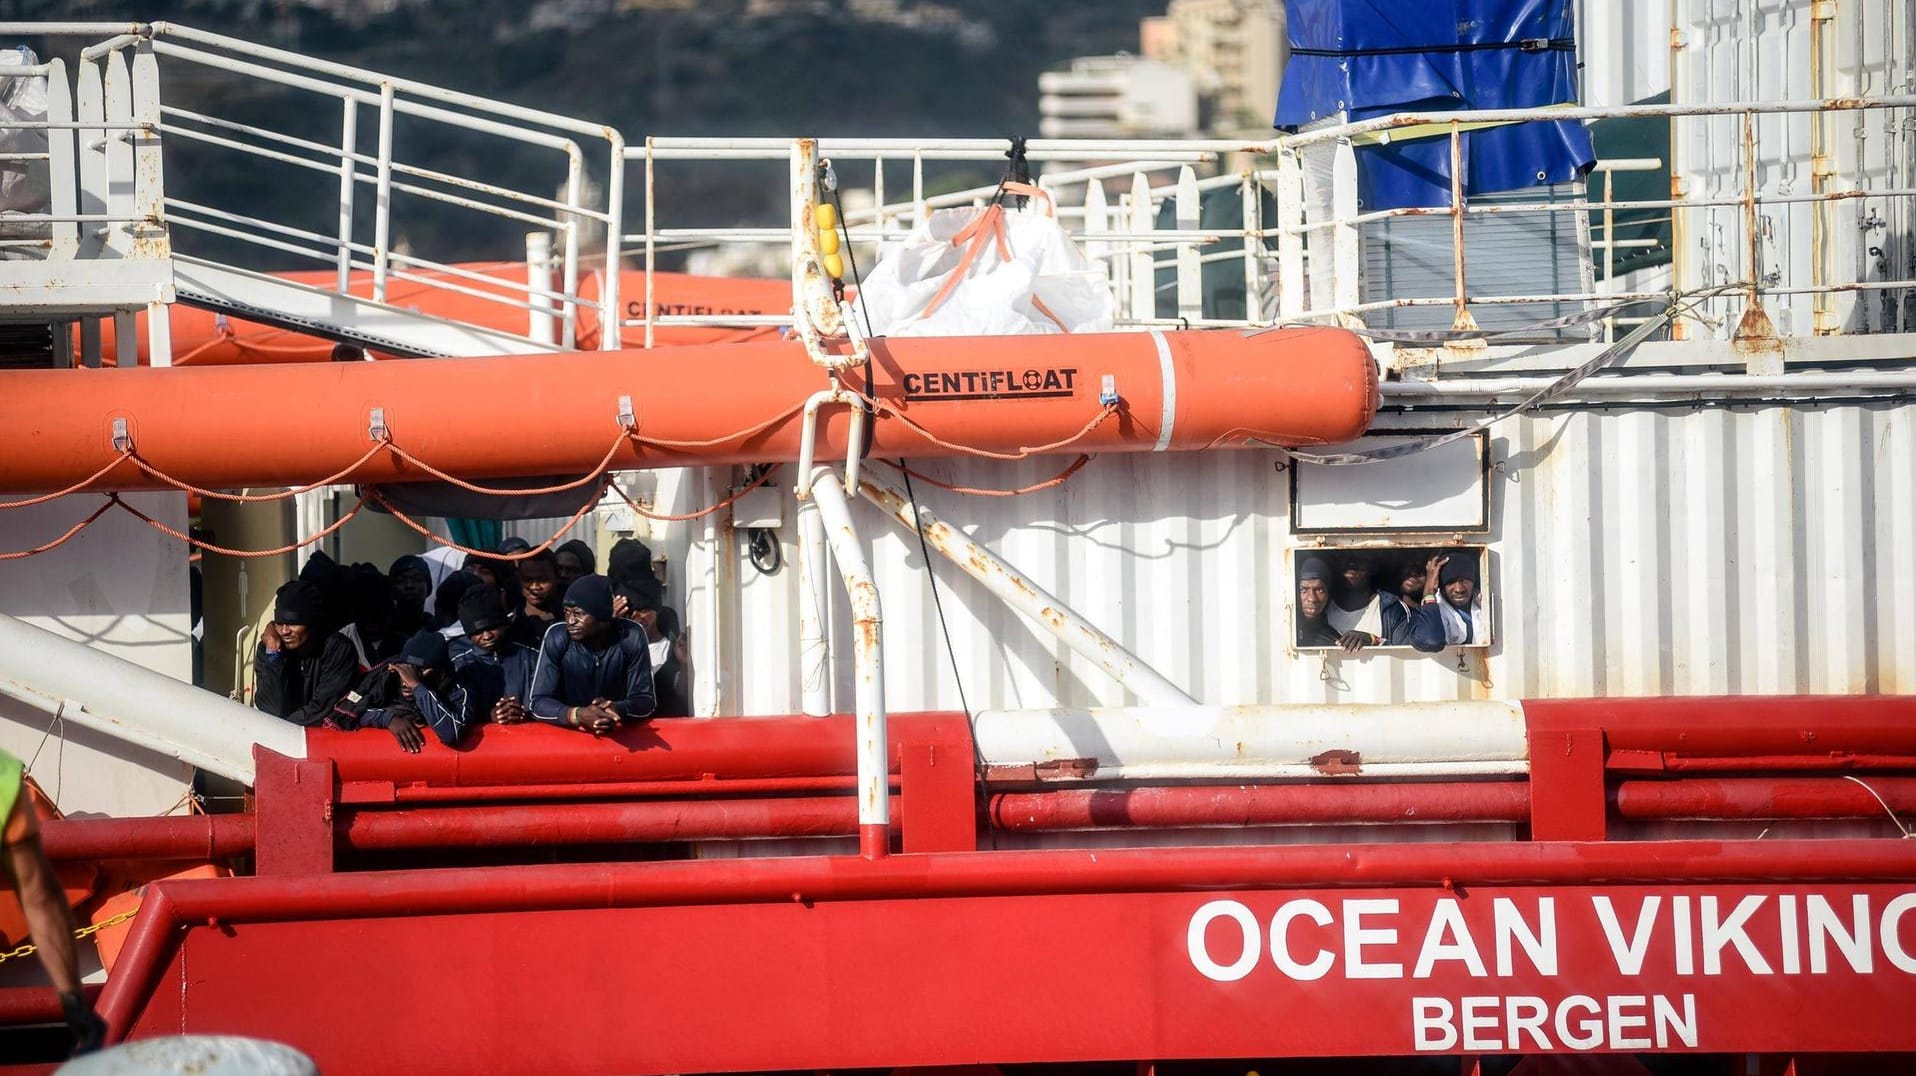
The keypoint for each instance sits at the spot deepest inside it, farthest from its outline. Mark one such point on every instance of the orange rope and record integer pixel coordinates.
(703, 512)
(1104, 412)
(246, 553)
(373, 492)
(84, 483)
(1055, 480)
(597, 472)
(728, 438)
(111, 500)
(254, 498)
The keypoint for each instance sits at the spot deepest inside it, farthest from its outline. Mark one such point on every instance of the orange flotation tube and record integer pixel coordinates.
(205, 338)
(243, 426)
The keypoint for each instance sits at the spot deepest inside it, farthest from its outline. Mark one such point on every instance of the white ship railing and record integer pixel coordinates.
(99, 245)
(1741, 226)
(565, 211)
(1740, 260)
(1307, 263)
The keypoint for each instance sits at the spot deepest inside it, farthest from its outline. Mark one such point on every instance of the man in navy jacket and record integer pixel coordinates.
(594, 672)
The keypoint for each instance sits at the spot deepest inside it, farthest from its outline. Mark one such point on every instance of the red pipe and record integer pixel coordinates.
(1805, 797)
(218, 836)
(1262, 805)
(1668, 763)
(528, 754)
(170, 904)
(520, 825)
(1741, 725)
(35, 1004)
(624, 789)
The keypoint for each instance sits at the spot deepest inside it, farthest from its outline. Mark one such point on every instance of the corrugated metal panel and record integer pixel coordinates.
(1766, 50)
(1761, 551)
(1504, 254)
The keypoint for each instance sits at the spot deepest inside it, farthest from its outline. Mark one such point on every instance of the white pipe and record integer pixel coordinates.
(814, 652)
(1018, 591)
(538, 279)
(1661, 384)
(1233, 742)
(137, 705)
(868, 658)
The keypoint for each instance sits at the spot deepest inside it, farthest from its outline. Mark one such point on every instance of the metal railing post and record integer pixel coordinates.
(348, 167)
(540, 323)
(383, 194)
(1290, 241)
(651, 245)
(1144, 266)
(117, 186)
(1251, 216)
(612, 316)
(1609, 248)
(1462, 321)
(1347, 255)
(569, 266)
(1190, 270)
(62, 166)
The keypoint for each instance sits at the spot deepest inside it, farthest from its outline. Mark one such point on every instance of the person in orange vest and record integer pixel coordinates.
(49, 920)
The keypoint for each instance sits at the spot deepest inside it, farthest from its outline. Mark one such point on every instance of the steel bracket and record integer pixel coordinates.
(122, 437)
(377, 430)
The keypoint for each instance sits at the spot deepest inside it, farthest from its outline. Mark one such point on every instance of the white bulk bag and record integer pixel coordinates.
(986, 272)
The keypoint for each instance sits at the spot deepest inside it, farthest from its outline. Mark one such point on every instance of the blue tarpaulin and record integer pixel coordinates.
(1367, 58)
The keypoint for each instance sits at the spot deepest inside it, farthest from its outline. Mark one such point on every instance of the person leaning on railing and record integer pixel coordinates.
(594, 671)
(49, 919)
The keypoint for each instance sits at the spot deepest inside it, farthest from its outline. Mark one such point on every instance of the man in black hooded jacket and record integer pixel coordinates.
(302, 669)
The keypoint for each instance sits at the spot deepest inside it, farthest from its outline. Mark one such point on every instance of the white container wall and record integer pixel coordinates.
(121, 588)
(1757, 551)
(1776, 50)
(1624, 49)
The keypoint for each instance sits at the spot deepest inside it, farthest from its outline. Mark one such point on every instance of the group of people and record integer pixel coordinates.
(540, 636)
(1426, 599)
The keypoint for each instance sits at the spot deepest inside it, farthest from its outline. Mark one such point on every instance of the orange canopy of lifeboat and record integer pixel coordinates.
(241, 426)
(205, 338)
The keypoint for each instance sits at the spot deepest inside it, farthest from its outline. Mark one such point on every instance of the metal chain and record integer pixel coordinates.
(28, 949)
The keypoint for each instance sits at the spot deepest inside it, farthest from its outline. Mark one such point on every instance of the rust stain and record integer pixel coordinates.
(1338, 762)
(1066, 768)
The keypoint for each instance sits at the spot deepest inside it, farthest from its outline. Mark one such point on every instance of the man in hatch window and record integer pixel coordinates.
(1313, 601)
(594, 672)
(1452, 612)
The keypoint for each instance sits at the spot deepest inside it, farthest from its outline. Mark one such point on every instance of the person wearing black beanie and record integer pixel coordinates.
(301, 668)
(1452, 612)
(539, 596)
(575, 559)
(496, 670)
(422, 693)
(369, 621)
(597, 673)
(1313, 602)
(642, 601)
(445, 602)
(411, 580)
